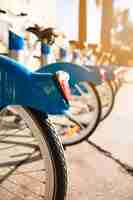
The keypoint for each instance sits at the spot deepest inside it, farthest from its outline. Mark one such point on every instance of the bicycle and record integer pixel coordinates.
(74, 124)
(32, 162)
(106, 62)
(82, 87)
(107, 89)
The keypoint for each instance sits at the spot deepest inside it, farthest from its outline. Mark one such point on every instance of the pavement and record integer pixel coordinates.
(103, 168)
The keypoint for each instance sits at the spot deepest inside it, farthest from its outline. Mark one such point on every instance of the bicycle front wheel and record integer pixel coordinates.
(32, 164)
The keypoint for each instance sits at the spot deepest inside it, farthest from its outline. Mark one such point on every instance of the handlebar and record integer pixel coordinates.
(22, 14)
(2, 11)
(47, 34)
(20, 22)
(17, 22)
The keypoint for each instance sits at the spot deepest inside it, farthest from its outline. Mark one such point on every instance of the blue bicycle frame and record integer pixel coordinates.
(77, 73)
(19, 86)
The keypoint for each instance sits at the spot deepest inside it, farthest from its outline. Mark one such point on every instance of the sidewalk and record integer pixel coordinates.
(95, 176)
(115, 134)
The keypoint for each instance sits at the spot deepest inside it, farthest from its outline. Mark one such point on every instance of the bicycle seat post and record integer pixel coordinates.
(64, 50)
(16, 31)
(76, 56)
(46, 52)
(63, 54)
(16, 46)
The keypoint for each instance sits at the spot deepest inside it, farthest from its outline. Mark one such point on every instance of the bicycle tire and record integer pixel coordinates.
(114, 86)
(48, 141)
(111, 97)
(86, 132)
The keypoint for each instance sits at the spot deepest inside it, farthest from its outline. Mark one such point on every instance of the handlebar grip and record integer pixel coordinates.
(2, 11)
(23, 14)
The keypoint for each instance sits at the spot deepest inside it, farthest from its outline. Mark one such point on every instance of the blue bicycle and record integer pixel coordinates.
(85, 107)
(32, 163)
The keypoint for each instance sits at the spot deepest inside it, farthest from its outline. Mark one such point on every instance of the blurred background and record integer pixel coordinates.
(108, 24)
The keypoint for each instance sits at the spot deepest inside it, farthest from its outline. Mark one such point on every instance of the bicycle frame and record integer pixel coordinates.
(77, 73)
(19, 86)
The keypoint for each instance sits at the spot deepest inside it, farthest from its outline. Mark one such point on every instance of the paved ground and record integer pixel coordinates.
(115, 134)
(93, 174)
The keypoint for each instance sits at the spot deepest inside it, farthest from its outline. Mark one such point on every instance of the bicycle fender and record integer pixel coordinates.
(19, 86)
(77, 73)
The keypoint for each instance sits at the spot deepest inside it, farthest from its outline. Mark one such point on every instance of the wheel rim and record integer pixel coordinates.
(84, 111)
(26, 165)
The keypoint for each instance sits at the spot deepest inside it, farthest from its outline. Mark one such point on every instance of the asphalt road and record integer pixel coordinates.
(102, 170)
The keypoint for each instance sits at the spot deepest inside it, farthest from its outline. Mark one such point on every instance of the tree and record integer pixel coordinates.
(122, 30)
(106, 24)
(82, 22)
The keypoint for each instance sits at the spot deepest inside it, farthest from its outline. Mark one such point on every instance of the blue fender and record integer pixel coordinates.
(77, 73)
(19, 86)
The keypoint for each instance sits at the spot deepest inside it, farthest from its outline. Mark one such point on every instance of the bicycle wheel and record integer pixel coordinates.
(32, 164)
(117, 82)
(83, 118)
(107, 98)
(114, 86)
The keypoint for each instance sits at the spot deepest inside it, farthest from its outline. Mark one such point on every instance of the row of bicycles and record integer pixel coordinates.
(45, 109)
